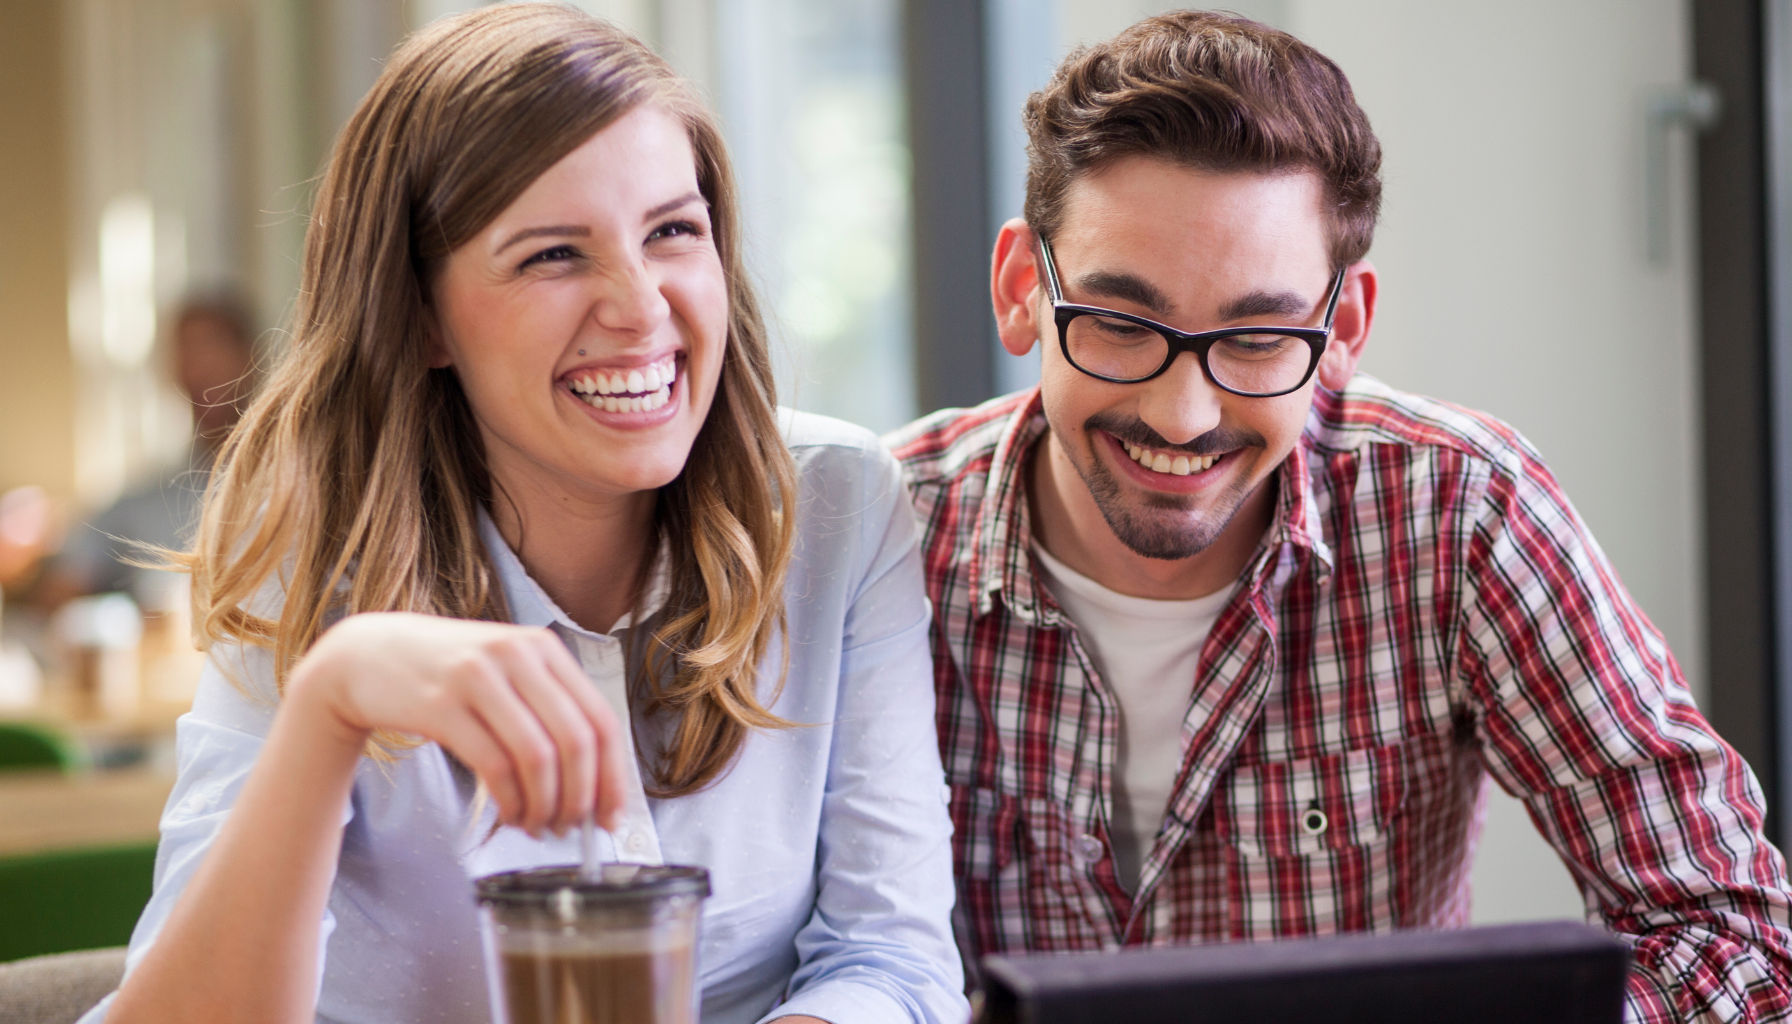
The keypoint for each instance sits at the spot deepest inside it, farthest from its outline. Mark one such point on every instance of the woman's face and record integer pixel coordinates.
(587, 321)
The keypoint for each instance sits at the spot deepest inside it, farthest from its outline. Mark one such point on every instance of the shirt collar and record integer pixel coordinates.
(1296, 525)
(1003, 532)
(531, 606)
(1004, 527)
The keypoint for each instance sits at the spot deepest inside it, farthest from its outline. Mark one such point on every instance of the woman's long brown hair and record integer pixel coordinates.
(356, 478)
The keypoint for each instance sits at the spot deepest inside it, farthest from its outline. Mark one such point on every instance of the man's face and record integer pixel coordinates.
(1169, 461)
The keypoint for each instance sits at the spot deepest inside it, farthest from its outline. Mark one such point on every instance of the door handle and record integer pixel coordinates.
(1694, 106)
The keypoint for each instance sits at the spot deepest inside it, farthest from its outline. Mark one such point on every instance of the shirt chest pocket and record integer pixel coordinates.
(1313, 805)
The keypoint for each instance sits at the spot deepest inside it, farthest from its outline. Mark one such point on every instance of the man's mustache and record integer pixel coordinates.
(1132, 430)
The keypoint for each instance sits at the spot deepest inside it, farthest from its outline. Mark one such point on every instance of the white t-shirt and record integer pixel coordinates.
(1146, 652)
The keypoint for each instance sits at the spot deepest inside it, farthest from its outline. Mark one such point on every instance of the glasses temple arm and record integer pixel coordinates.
(1331, 306)
(1056, 290)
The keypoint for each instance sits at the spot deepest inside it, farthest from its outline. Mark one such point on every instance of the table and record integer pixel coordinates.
(50, 811)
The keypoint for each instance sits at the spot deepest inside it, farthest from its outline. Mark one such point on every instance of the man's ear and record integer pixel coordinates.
(1350, 328)
(1014, 287)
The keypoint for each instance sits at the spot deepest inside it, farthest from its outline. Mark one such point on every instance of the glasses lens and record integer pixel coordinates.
(1260, 364)
(1113, 347)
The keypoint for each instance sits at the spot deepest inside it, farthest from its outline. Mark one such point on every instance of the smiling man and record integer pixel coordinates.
(1229, 639)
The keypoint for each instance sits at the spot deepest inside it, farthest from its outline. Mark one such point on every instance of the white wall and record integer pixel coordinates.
(1512, 249)
(1514, 280)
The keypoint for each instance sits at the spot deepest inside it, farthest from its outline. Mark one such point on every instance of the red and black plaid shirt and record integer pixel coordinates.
(1426, 610)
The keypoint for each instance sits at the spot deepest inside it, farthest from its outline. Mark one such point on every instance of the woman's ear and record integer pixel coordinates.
(435, 351)
(1014, 287)
(1350, 327)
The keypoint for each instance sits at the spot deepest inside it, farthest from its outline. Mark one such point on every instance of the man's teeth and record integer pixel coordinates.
(640, 389)
(1163, 462)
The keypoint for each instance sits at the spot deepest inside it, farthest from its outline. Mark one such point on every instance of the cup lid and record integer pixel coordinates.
(614, 883)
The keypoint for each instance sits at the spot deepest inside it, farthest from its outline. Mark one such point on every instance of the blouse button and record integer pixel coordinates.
(637, 842)
(1087, 848)
(1313, 822)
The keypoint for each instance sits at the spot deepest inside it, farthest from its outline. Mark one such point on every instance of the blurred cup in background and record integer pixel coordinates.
(169, 662)
(99, 638)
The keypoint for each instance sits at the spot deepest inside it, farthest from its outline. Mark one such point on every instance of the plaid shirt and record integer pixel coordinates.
(1426, 610)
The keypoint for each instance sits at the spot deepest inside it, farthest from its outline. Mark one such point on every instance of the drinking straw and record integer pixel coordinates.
(589, 866)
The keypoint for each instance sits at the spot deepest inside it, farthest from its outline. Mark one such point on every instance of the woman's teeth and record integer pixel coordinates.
(641, 389)
(1175, 465)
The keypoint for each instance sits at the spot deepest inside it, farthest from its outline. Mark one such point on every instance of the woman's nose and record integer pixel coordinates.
(629, 301)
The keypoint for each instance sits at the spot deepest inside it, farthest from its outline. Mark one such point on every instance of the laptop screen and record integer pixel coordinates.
(1557, 972)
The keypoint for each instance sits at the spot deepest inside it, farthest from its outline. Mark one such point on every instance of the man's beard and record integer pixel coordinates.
(1171, 533)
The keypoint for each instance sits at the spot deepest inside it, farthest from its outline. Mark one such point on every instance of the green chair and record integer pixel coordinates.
(72, 899)
(28, 745)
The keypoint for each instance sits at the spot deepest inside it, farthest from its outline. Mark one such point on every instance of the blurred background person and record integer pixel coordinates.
(26, 529)
(213, 359)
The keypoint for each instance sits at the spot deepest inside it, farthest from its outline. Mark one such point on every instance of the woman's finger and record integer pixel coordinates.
(485, 686)
(575, 741)
(465, 735)
(604, 722)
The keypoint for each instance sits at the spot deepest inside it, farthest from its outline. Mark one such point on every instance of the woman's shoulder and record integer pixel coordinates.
(807, 430)
(834, 456)
(844, 474)
(855, 530)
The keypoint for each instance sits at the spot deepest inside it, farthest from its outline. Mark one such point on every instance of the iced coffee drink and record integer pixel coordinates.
(617, 948)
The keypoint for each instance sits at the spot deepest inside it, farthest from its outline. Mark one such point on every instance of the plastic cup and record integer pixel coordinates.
(617, 948)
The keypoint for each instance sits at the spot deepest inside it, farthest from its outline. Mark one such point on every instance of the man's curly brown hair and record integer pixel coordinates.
(1212, 91)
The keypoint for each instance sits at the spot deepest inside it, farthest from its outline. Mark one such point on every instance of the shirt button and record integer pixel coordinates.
(1087, 848)
(636, 842)
(945, 794)
(1313, 821)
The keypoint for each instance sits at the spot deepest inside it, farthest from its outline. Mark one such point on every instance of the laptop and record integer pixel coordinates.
(1556, 972)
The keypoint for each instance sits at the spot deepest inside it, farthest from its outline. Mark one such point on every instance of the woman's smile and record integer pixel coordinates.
(626, 389)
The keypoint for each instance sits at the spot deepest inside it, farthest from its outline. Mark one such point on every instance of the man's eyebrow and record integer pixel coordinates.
(1258, 305)
(1112, 285)
(1250, 306)
(584, 232)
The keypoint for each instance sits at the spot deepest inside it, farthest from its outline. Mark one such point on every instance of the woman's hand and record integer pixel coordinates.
(509, 701)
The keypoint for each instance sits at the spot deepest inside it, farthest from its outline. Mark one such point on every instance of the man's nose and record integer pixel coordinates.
(628, 299)
(1182, 404)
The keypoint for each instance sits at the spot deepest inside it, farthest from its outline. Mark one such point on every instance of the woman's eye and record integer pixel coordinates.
(675, 229)
(553, 255)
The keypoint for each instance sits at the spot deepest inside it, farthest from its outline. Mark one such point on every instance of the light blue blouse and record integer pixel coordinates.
(828, 845)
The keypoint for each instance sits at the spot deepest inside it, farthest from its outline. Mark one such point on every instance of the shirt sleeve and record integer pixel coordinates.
(1583, 715)
(216, 745)
(878, 947)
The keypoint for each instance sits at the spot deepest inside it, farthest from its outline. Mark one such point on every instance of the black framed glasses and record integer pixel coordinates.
(1255, 362)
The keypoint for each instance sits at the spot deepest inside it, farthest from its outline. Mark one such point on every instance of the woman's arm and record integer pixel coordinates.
(879, 946)
(242, 942)
(508, 701)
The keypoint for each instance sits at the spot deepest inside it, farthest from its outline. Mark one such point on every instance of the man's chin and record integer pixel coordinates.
(1153, 533)
(1153, 524)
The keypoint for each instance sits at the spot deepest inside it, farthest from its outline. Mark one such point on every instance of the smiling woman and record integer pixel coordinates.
(517, 518)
